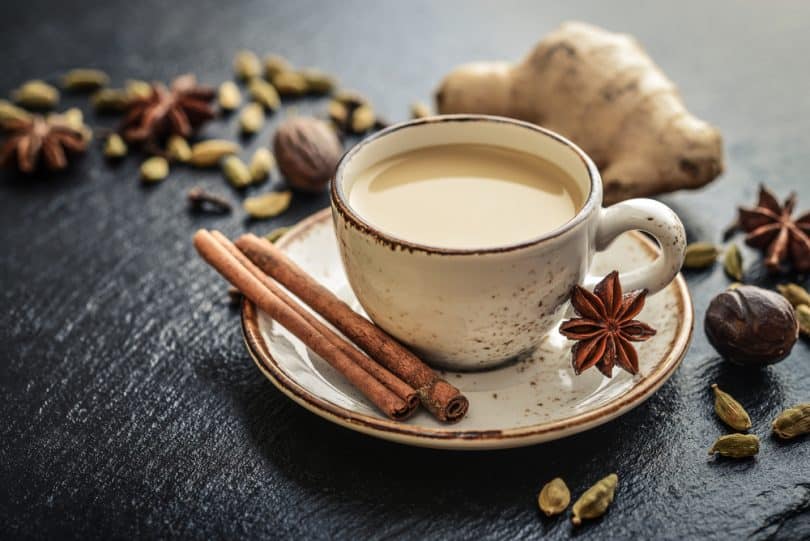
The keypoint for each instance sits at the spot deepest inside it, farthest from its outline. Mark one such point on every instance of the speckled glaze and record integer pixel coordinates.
(537, 398)
(472, 309)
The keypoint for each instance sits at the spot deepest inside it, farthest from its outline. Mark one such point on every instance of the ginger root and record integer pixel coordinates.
(603, 92)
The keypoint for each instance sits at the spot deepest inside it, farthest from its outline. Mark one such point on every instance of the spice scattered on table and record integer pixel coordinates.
(554, 498)
(771, 228)
(730, 411)
(751, 326)
(793, 422)
(307, 151)
(202, 201)
(35, 140)
(594, 502)
(736, 446)
(606, 329)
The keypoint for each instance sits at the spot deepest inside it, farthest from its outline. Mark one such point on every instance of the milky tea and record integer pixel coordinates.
(465, 196)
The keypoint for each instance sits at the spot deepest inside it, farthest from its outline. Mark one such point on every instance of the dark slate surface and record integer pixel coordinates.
(131, 409)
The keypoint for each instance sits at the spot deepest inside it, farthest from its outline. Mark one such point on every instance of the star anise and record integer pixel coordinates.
(179, 109)
(34, 139)
(771, 229)
(606, 327)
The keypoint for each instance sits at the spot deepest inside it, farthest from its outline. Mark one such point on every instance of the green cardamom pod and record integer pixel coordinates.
(732, 262)
(110, 100)
(594, 502)
(36, 94)
(700, 255)
(363, 119)
(264, 93)
(74, 118)
(228, 96)
(115, 147)
(154, 169)
(251, 119)
(277, 233)
(420, 110)
(338, 112)
(261, 164)
(318, 82)
(794, 293)
(137, 89)
(246, 65)
(803, 317)
(290, 83)
(793, 422)
(236, 172)
(275, 64)
(209, 153)
(736, 446)
(554, 497)
(178, 149)
(267, 205)
(350, 98)
(11, 113)
(84, 79)
(730, 411)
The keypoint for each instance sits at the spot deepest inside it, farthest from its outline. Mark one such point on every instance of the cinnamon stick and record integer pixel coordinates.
(228, 266)
(439, 397)
(399, 387)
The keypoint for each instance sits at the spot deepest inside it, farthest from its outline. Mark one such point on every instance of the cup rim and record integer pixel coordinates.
(341, 204)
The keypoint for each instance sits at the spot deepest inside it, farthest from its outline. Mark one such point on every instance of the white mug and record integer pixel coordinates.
(470, 309)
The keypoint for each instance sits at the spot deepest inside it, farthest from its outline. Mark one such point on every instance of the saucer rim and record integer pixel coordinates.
(446, 437)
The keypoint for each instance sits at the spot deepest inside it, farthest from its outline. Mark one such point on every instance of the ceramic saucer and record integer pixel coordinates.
(532, 400)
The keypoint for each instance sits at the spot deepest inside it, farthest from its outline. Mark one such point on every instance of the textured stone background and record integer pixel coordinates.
(131, 408)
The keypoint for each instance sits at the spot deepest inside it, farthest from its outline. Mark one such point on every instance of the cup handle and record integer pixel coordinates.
(654, 218)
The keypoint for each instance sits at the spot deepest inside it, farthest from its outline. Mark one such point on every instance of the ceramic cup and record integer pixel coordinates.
(471, 309)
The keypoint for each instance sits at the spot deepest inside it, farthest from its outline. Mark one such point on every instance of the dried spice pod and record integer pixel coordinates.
(554, 497)
(732, 262)
(751, 326)
(267, 205)
(338, 113)
(154, 169)
(261, 164)
(736, 446)
(85, 79)
(700, 255)
(277, 233)
(228, 96)
(36, 94)
(795, 294)
(209, 153)
(362, 119)
(793, 422)
(803, 317)
(318, 82)
(771, 227)
(110, 100)
(34, 140)
(730, 411)
(201, 201)
(307, 151)
(115, 147)
(290, 83)
(251, 119)
(594, 502)
(137, 89)
(275, 64)
(236, 172)
(264, 93)
(351, 98)
(11, 113)
(419, 110)
(178, 149)
(246, 65)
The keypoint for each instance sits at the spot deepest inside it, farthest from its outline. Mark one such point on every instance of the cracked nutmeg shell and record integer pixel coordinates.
(751, 326)
(307, 151)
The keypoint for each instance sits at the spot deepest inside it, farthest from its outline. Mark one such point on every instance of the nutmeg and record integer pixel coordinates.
(751, 326)
(307, 151)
